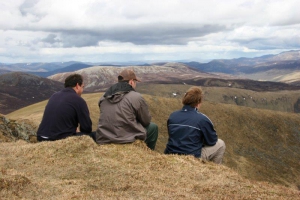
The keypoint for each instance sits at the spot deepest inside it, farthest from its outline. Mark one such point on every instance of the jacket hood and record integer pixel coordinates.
(115, 93)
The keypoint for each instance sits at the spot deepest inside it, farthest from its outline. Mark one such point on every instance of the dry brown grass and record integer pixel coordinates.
(262, 145)
(77, 168)
(277, 100)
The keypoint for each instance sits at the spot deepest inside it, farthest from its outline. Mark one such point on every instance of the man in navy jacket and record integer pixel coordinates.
(65, 111)
(193, 133)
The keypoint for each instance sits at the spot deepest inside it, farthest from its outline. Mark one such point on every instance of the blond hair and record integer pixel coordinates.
(193, 96)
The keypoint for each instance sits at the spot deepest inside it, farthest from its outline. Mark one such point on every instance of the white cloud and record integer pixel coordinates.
(138, 29)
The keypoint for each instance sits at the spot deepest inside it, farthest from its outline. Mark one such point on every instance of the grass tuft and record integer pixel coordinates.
(77, 168)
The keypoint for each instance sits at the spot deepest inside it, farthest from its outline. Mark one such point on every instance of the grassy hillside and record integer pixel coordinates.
(261, 144)
(77, 168)
(282, 100)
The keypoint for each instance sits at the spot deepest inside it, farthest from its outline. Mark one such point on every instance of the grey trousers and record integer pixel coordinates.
(214, 153)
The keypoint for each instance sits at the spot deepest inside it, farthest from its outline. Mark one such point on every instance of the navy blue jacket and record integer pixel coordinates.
(64, 111)
(188, 131)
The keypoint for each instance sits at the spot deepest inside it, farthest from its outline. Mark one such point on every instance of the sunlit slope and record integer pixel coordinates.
(261, 144)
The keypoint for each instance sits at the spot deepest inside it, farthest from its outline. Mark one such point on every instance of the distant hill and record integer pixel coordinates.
(70, 68)
(35, 67)
(3, 71)
(283, 67)
(261, 145)
(43, 69)
(268, 67)
(19, 89)
(98, 78)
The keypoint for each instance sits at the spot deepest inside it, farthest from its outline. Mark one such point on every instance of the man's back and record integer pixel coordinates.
(124, 114)
(188, 131)
(123, 118)
(64, 111)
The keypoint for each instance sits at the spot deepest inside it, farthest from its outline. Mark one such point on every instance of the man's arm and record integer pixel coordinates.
(142, 112)
(209, 133)
(84, 118)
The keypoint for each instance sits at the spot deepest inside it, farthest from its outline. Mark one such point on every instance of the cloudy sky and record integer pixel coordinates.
(144, 30)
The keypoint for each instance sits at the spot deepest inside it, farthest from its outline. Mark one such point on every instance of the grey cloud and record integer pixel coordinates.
(166, 34)
(287, 22)
(51, 39)
(27, 6)
(271, 43)
(74, 39)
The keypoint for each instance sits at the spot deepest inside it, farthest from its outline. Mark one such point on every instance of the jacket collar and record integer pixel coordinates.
(68, 89)
(189, 108)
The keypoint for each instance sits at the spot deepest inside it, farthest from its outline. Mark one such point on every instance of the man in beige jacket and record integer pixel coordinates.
(124, 114)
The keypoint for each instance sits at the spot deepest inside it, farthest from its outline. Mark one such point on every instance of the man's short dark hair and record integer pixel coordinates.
(120, 79)
(193, 96)
(73, 79)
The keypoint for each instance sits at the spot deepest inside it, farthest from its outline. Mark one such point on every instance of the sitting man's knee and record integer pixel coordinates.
(153, 125)
(221, 144)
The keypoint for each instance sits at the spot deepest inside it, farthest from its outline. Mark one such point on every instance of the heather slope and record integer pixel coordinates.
(18, 90)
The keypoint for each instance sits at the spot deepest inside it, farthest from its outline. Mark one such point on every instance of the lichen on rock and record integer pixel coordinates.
(12, 130)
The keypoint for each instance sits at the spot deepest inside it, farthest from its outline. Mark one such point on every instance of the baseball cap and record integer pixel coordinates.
(127, 74)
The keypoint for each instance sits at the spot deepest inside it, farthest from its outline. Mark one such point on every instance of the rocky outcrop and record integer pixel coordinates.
(12, 130)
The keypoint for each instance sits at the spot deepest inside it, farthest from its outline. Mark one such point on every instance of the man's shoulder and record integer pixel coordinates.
(133, 94)
(176, 112)
(177, 115)
(70, 95)
(135, 98)
(201, 114)
(204, 117)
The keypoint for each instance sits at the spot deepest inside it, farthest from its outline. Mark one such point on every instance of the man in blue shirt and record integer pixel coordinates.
(193, 133)
(65, 111)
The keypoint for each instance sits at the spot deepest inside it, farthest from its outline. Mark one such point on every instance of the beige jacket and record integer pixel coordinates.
(123, 118)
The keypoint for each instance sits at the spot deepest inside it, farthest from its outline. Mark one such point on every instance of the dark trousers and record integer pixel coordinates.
(152, 134)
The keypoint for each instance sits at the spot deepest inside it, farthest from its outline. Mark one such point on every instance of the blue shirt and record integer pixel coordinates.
(189, 130)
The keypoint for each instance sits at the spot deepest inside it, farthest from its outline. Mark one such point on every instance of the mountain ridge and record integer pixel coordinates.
(98, 78)
(268, 67)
